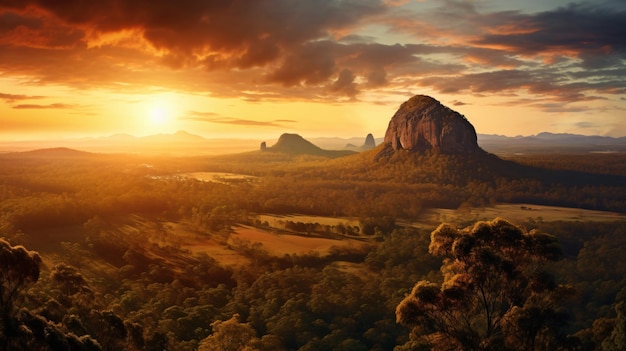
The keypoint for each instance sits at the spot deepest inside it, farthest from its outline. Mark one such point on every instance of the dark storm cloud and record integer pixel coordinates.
(592, 33)
(480, 82)
(312, 63)
(243, 33)
(541, 82)
(34, 29)
(312, 49)
(345, 84)
(11, 20)
(291, 41)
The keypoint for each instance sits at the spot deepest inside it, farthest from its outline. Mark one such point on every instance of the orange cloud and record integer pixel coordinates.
(42, 107)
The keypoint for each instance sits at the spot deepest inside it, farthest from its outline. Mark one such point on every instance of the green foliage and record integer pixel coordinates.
(617, 340)
(495, 294)
(137, 286)
(230, 335)
(18, 268)
(71, 283)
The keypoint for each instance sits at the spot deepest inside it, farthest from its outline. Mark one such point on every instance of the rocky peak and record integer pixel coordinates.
(370, 143)
(423, 123)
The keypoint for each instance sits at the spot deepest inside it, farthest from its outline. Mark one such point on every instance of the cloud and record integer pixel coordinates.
(310, 64)
(458, 103)
(239, 33)
(33, 28)
(17, 97)
(44, 107)
(197, 114)
(586, 125)
(579, 30)
(319, 50)
(213, 117)
(345, 84)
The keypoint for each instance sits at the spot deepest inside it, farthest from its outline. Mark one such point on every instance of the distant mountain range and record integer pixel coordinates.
(185, 143)
(551, 142)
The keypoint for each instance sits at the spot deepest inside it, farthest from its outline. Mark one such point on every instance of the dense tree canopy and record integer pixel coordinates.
(147, 273)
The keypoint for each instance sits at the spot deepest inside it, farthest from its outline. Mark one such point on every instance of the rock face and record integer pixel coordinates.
(423, 123)
(370, 143)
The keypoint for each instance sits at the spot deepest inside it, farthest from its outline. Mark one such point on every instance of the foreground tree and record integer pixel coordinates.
(18, 268)
(495, 295)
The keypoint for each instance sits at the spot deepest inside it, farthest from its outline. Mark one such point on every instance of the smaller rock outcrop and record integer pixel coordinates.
(263, 146)
(370, 143)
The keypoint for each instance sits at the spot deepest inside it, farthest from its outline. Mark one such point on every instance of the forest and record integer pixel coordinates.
(125, 252)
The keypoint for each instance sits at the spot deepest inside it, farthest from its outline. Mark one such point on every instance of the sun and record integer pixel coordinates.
(159, 115)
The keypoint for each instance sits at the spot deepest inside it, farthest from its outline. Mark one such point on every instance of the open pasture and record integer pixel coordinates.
(516, 213)
(218, 177)
(275, 220)
(279, 244)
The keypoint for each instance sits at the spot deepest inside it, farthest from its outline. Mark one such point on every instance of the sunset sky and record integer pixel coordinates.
(258, 68)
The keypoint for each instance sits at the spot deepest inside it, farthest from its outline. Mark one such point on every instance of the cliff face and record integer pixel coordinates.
(423, 123)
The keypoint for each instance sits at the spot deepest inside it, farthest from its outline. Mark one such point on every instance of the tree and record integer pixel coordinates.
(617, 340)
(495, 295)
(70, 281)
(230, 335)
(18, 268)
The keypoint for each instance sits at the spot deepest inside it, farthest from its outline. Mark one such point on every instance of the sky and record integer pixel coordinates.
(259, 68)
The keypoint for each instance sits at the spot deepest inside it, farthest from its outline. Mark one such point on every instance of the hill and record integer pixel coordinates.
(294, 144)
(56, 153)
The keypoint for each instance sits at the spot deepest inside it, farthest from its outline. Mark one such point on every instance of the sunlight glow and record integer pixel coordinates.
(159, 114)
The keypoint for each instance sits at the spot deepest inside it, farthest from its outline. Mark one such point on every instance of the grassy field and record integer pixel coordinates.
(277, 241)
(280, 244)
(516, 213)
(218, 177)
(274, 243)
(279, 220)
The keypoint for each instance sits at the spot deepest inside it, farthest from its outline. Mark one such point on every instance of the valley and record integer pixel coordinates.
(306, 249)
